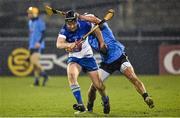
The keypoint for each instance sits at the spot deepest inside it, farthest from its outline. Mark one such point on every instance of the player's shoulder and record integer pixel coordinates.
(29, 21)
(63, 30)
(83, 22)
(40, 19)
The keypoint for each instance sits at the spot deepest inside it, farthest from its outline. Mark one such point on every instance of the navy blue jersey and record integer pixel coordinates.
(115, 48)
(83, 28)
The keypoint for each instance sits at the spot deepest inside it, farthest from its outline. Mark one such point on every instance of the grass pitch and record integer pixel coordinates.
(18, 98)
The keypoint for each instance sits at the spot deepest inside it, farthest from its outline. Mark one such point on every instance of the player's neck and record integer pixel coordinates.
(33, 19)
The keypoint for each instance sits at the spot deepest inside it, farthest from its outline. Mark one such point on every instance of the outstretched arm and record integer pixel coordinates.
(90, 17)
(99, 37)
(103, 48)
(93, 19)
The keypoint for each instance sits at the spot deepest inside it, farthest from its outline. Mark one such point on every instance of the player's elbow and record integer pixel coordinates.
(59, 45)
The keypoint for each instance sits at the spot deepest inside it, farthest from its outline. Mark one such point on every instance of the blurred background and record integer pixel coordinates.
(150, 30)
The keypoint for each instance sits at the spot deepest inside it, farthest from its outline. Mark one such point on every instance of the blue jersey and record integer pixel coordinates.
(84, 57)
(115, 48)
(83, 28)
(36, 28)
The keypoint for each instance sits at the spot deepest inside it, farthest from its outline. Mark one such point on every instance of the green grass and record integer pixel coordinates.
(18, 98)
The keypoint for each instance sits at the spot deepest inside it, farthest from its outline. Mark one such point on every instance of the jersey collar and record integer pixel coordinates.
(78, 26)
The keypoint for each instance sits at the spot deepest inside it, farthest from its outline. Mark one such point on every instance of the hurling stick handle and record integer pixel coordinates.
(92, 30)
(59, 12)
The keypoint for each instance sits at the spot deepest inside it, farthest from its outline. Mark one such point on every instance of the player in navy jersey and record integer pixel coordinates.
(115, 59)
(81, 58)
(36, 43)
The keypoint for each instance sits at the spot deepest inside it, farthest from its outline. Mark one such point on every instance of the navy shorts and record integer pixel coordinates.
(114, 66)
(87, 63)
(33, 50)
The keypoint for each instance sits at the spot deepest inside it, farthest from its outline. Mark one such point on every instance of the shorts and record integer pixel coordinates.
(87, 63)
(115, 65)
(33, 50)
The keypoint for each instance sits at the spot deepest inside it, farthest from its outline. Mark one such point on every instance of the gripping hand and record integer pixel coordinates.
(104, 50)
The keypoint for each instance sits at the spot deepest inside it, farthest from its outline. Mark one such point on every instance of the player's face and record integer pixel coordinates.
(72, 26)
(30, 16)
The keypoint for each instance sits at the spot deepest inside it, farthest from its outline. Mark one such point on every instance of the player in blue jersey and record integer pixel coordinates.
(81, 58)
(36, 43)
(115, 59)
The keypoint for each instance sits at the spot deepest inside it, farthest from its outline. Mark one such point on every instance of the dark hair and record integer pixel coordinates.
(70, 16)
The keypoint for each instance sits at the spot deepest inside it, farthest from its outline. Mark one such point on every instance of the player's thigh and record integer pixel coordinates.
(35, 60)
(94, 75)
(128, 70)
(103, 74)
(73, 70)
(35, 57)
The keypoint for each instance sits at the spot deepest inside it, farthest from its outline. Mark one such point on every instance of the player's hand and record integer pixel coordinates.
(77, 14)
(74, 47)
(70, 47)
(78, 46)
(37, 45)
(103, 49)
(78, 43)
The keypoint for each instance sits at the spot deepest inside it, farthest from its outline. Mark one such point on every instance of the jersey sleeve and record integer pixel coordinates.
(89, 26)
(62, 33)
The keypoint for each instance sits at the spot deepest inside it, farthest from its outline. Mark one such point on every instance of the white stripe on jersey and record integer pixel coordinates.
(62, 36)
(86, 51)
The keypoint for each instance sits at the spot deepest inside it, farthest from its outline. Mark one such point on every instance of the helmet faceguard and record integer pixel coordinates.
(70, 16)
